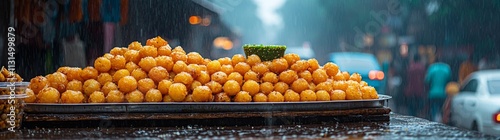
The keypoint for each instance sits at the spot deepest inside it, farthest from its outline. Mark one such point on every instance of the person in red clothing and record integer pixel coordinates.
(415, 89)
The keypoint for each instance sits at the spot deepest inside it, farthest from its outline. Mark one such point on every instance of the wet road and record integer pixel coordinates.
(399, 127)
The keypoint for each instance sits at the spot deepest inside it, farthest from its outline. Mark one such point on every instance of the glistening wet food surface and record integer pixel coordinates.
(399, 127)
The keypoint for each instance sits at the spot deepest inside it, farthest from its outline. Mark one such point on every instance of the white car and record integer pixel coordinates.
(477, 105)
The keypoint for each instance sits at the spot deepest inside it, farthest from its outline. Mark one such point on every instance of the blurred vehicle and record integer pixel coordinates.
(477, 105)
(363, 63)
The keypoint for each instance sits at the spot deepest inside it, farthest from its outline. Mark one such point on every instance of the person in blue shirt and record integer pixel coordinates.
(438, 75)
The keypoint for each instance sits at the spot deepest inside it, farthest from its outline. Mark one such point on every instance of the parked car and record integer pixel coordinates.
(477, 105)
(363, 63)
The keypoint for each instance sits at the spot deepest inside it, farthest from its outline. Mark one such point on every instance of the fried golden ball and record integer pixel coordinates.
(165, 62)
(108, 56)
(189, 98)
(71, 96)
(353, 93)
(346, 74)
(150, 51)
(179, 49)
(153, 95)
(89, 73)
(288, 76)
(31, 97)
(281, 87)
(132, 56)
(327, 86)
(331, 69)
(237, 58)
(118, 62)
(38, 83)
(75, 85)
(202, 94)
(180, 66)
(242, 96)
(291, 58)
(279, 65)
(270, 77)
(337, 95)
(260, 68)
(251, 75)
(138, 74)
(127, 84)
(300, 85)
(135, 97)
(184, 78)
(340, 85)
(322, 95)
(313, 64)
(339, 76)
(164, 50)
(300, 65)
(131, 66)
(266, 87)
(57, 80)
(194, 58)
(103, 78)
(167, 98)
(275, 97)
(356, 77)
(253, 59)
(319, 75)
(102, 64)
(48, 95)
(203, 77)
(242, 68)
(90, 86)
(251, 86)
(214, 86)
(306, 75)
(156, 42)
(219, 77)
(225, 61)
(158, 73)
(369, 92)
(74, 73)
(363, 84)
(97, 97)
(228, 69)
(308, 95)
(115, 96)
(147, 63)
(195, 84)
(135, 46)
(231, 87)
(120, 74)
(260, 97)
(222, 97)
(178, 56)
(177, 92)
(63, 70)
(118, 51)
(107, 87)
(213, 66)
(144, 85)
(163, 86)
(236, 77)
(291, 96)
(194, 70)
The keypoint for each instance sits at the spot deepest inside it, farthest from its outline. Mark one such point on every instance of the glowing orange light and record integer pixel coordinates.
(223, 42)
(193, 20)
(372, 75)
(206, 21)
(380, 75)
(497, 118)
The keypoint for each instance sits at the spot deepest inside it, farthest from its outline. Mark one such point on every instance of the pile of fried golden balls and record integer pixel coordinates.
(157, 73)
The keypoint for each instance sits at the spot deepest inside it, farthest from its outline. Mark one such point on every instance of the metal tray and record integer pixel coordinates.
(205, 107)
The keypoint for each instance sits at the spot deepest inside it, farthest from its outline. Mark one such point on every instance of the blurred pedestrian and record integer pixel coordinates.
(415, 88)
(466, 68)
(452, 88)
(438, 75)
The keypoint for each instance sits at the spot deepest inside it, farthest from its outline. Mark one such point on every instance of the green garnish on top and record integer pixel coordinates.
(265, 52)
